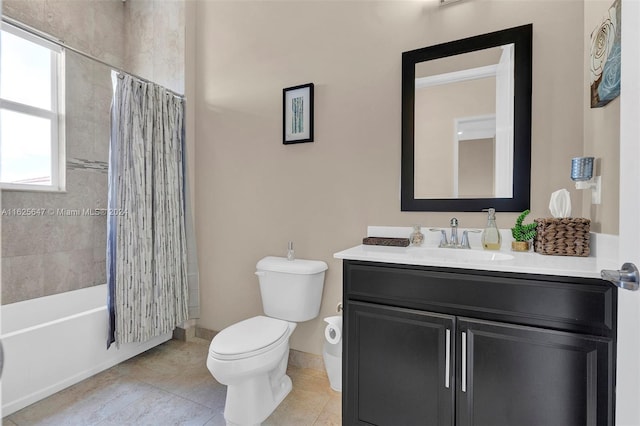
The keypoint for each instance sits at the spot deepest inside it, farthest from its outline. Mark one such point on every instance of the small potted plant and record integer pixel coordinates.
(522, 234)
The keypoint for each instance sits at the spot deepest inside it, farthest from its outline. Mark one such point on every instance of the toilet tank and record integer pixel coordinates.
(291, 290)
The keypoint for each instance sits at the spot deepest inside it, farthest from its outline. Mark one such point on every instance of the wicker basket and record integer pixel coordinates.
(563, 237)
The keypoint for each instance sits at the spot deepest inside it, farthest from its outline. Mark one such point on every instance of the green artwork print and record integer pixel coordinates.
(297, 116)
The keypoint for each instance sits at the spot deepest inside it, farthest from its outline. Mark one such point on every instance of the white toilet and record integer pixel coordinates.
(251, 356)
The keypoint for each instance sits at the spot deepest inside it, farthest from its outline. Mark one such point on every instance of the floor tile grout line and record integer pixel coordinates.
(171, 394)
(126, 405)
(177, 395)
(190, 400)
(155, 386)
(319, 414)
(209, 419)
(14, 420)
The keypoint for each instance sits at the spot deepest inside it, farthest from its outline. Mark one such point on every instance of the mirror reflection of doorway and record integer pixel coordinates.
(475, 162)
(453, 104)
(474, 157)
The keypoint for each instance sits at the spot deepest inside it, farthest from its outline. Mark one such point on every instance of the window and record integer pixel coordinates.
(31, 112)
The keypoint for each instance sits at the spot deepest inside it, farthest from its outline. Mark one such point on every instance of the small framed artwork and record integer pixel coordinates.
(297, 114)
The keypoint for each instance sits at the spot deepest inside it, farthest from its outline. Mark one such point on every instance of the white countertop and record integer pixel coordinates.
(603, 247)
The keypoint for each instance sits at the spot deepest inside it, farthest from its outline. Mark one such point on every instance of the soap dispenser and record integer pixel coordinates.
(491, 239)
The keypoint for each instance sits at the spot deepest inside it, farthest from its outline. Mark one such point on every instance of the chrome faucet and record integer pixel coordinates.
(464, 242)
(453, 241)
(443, 237)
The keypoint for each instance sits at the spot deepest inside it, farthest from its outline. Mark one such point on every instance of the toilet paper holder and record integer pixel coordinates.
(333, 330)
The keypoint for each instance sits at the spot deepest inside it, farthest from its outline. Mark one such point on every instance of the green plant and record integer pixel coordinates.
(522, 232)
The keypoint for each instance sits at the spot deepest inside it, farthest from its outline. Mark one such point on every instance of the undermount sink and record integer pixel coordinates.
(457, 254)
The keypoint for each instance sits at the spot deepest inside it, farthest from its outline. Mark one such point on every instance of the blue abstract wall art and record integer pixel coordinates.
(605, 58)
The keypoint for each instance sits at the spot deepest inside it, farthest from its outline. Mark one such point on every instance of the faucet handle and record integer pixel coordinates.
(454, 221)
(443, 237)
(464, 242)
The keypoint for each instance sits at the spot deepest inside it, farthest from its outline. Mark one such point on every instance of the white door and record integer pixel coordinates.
(1, 353)
(628, 361)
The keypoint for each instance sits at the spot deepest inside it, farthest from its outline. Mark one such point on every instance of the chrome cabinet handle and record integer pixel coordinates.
(464, 361)
(626, 278)
(447, 357)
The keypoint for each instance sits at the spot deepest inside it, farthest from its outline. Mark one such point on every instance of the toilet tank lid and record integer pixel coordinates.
(296, 266)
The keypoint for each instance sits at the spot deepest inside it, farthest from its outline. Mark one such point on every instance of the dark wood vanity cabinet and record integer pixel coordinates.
(442, 346)
(523, 376)
(397, 363)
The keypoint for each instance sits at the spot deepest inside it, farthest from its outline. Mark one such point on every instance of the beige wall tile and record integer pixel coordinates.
(29, 12)
(156, 41)
(22, 278)
(71, 22)
(24, 235)
(67, 270)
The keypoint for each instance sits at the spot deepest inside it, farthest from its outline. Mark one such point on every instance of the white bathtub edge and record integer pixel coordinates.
(125, 352)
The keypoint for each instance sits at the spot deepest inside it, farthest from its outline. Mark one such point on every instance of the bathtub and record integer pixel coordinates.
(53, 342)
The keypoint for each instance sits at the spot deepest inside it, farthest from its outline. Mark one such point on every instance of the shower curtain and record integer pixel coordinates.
(146, 235)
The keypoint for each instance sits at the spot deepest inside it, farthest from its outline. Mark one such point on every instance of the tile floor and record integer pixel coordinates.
(170, 385)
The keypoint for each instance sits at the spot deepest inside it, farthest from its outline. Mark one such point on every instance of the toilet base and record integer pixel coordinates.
(256, 406)
(251, 401)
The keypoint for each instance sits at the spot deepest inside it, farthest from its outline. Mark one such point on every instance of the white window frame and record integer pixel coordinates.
(55, 115)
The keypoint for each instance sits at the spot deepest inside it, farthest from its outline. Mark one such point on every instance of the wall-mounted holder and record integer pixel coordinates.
(595, 185)
(582, 175)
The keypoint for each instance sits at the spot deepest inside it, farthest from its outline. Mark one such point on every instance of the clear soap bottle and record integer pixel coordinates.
(491, 239)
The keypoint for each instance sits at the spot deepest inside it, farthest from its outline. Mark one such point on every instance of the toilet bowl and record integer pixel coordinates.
(251, 356)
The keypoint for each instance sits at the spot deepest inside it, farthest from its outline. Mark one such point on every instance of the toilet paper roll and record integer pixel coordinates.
(332, 334)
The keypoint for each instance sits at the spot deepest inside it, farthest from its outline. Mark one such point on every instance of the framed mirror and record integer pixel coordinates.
(466, 124)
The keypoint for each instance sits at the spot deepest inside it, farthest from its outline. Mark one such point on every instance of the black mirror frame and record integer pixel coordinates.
(522, 38)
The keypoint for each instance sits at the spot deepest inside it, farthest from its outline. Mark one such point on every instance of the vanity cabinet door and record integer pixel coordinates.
(399, 366)
(526, 376)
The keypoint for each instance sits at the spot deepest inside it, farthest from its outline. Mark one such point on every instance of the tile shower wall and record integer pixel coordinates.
(155, 34)
(96, 27)
(65, 249)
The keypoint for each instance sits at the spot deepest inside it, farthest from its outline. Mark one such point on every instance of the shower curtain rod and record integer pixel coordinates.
(61, 43)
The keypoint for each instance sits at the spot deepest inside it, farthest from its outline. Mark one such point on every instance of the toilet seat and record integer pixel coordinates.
(249, 338)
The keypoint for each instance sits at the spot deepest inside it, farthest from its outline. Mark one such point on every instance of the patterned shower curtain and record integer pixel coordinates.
(146, 236)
